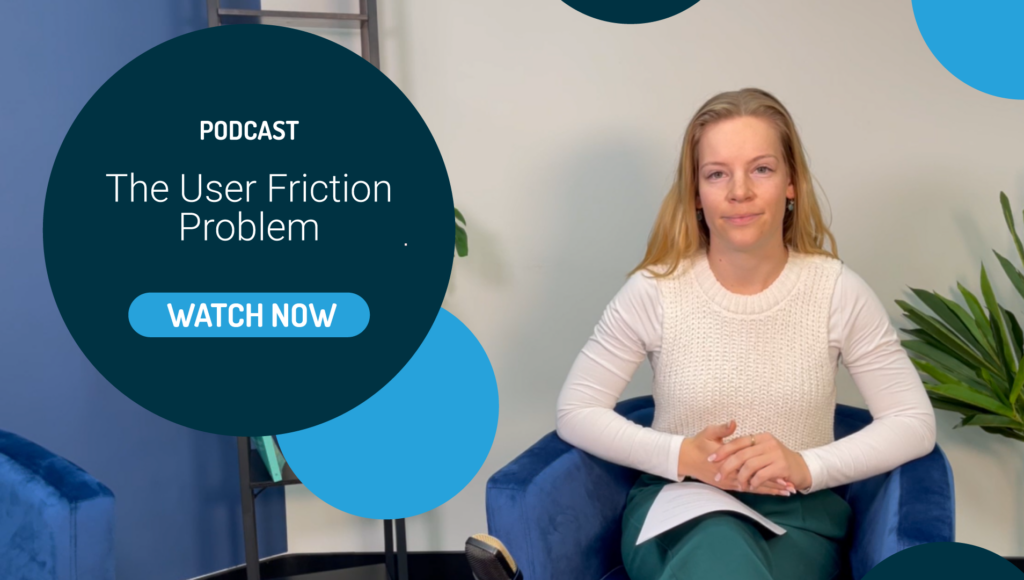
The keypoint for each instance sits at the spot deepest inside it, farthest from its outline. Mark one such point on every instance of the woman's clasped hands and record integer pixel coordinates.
(757, 463)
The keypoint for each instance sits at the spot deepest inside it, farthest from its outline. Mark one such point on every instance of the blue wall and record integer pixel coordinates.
(177, 493)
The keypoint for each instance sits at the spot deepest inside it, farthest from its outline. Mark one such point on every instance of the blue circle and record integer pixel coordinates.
(978, 42)
(413, 445)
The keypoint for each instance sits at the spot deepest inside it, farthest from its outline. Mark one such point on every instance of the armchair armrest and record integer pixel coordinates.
(558, 510)
(910, 505)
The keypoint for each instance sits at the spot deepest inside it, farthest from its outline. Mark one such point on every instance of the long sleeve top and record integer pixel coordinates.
(860, 336)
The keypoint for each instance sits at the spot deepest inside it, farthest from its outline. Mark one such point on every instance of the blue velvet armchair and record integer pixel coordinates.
(56, 521)
(558, 510)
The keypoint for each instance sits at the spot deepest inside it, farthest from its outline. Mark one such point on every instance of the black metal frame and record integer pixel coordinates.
(390, 554)
(365, 20)
(252, 550)
(395, 557)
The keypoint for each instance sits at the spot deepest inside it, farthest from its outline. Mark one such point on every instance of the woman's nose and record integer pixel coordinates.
(741, 188)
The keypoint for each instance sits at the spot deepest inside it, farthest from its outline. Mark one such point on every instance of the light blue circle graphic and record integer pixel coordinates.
(979, 42)
(413, 445)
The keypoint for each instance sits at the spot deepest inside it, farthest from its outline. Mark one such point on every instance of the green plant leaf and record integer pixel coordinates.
(458, 216)
(1002, 346)
(937, 305)
(937, 330)
(461, 243)
(1011, 272)
(965, 418)
(999, 327)
(946, 405)
(1004, 432)
(943, 402)
(1018, 335)
(938, 356)
(973, 397)
(979, 315)
(947, 376)
(1008, 216)
(961, 423)
(1018, 381)
(992, 421)
(934, 372)
(935, 353)
(972, 325)
(940, 332)
(999, 388)
(925, 337)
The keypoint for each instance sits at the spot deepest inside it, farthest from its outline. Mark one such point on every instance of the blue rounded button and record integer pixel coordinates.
(248, 314)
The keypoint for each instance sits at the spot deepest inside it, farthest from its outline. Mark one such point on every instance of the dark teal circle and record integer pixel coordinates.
(619, 12)
(944, 561)
(101, 255)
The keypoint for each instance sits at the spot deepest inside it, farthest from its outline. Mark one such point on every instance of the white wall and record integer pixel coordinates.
(560, 134)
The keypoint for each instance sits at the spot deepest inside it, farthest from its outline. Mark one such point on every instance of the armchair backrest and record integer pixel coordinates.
(58, 521)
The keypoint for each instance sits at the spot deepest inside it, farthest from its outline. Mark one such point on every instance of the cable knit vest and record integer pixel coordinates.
(761, 359)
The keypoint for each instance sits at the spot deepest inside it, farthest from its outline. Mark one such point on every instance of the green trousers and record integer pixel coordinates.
(727, 545)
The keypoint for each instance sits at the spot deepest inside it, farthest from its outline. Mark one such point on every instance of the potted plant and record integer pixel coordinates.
(972, 356)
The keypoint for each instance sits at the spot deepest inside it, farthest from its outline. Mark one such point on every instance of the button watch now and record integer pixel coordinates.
(248, 314)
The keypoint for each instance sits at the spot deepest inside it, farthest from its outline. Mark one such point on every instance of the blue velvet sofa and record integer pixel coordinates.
(56, 521)
(558, 510)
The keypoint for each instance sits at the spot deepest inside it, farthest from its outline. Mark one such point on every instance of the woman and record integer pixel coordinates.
(744, 316)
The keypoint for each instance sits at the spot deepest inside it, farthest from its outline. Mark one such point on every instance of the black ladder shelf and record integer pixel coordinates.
(365, 20)
(254, 479)
(395, 556)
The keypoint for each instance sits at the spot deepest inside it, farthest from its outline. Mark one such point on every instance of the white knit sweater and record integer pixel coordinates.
(767, 360)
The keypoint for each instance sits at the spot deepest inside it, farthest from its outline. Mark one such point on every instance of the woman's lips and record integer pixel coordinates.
(738, 221)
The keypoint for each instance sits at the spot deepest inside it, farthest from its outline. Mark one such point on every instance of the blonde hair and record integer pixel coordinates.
(677, 233)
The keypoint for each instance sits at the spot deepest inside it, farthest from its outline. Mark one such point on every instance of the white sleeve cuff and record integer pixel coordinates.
(817, 470)
(672, 464)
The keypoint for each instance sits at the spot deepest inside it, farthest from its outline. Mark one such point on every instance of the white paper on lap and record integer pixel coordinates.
(681, 502)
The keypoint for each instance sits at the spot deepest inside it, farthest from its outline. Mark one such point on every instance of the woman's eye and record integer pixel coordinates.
(764, 167)
(713, 174)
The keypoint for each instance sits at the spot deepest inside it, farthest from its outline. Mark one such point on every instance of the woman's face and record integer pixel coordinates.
(743, 183)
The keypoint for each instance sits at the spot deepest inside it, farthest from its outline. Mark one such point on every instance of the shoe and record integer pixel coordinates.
(490, 560)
